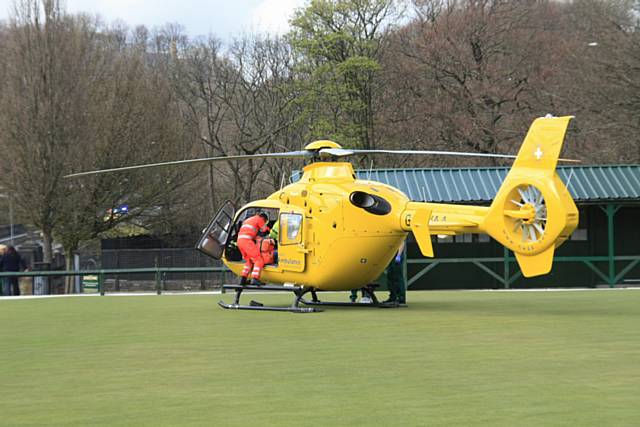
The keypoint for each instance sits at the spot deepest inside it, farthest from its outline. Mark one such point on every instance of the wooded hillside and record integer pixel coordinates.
(466, 75)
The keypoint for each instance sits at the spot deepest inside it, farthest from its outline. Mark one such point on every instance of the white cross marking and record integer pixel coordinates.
(538, 153)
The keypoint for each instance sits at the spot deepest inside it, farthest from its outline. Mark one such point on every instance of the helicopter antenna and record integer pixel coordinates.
(370, 169)
(282, 180)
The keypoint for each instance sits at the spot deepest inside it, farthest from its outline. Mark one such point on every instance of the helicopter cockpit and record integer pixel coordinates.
(232, 253)
(221, 235)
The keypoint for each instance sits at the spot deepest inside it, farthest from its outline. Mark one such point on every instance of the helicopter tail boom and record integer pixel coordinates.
(533, 212)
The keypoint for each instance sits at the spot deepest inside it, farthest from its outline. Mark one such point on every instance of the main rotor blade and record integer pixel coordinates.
(285, 155)
(342, 152)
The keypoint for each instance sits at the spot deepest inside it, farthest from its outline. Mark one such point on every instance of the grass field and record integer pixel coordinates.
(451, 358)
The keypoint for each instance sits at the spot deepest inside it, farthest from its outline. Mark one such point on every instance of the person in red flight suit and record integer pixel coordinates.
(267, 250)
(249, 247)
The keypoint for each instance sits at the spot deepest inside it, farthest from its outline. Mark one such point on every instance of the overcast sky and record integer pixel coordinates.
(199, 17)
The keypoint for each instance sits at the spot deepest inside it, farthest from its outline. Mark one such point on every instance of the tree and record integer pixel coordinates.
(241, 103)
(602, 77)
(132, 117)
(469, 75)
(263, 109)
(472, 74)
(340, 43)
(79, 97)
(47, 74)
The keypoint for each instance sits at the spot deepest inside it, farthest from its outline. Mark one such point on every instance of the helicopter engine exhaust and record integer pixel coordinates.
(370, 203)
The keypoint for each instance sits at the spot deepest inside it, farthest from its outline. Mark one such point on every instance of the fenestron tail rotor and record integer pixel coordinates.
(533, 212)
(528, 213)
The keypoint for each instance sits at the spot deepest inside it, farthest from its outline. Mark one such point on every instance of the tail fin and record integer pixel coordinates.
(533, 213)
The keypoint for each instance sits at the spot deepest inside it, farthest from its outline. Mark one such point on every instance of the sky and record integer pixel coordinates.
(223, 18)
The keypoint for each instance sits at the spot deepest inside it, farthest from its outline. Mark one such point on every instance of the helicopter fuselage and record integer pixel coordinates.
(338, 232)
(337, 245)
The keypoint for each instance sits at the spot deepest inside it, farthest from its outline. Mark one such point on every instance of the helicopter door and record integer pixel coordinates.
(215, 235)
(291, 250)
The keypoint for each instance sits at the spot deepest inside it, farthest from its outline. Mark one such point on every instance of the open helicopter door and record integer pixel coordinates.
(215, 235)
(291, 242)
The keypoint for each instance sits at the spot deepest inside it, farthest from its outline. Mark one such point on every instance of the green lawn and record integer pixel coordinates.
(451, 358)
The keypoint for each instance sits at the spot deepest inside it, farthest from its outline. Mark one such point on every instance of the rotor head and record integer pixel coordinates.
(320, 144)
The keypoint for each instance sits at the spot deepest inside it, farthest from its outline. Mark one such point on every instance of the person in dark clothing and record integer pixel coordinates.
(5, 287)
(395, 279)
(11, 261)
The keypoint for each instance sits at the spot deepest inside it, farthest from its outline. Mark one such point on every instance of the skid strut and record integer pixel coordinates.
(368, 290)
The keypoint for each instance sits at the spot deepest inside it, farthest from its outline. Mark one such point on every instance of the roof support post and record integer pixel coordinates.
(158, 281)
(610, 210)
(506, 277)
(404, 268)
(101, 289)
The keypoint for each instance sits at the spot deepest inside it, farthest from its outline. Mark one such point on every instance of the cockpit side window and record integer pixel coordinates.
(290, 228)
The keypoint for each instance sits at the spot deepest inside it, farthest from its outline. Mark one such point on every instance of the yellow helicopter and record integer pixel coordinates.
(338, 233)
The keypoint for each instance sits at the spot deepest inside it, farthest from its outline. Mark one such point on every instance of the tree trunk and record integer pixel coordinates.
(47, 243)
(69, 280)
(212, 191)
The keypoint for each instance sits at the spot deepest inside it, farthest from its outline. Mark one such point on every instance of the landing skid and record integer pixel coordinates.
(267, 308)
(254, 305)
(300, 292)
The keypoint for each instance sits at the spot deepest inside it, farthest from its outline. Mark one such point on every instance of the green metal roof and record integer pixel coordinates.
(466, 185)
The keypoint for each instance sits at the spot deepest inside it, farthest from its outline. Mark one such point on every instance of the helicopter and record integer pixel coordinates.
(337, 232)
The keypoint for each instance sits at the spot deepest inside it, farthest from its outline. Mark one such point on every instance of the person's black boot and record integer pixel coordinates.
(243, 281)
(256, 282)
